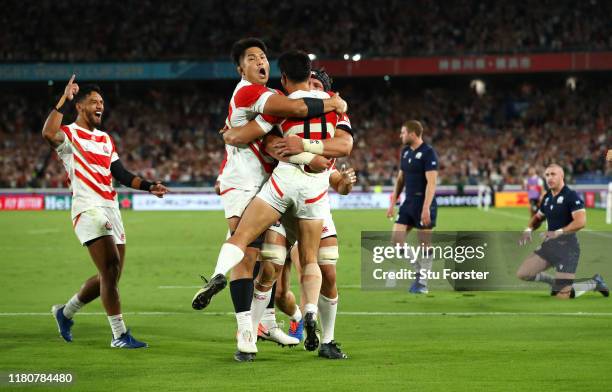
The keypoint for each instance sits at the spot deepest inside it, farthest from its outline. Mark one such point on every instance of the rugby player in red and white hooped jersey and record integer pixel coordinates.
(246, 169)
(342, 181)
(291, 186)
(91, 162)
(275, 244)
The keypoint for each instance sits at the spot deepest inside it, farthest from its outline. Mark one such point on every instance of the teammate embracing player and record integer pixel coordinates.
(246, 169)
(417, 175)
(91, 162)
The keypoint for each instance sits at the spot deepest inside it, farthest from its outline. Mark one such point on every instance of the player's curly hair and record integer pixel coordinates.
(322, 77)
(85, 90)
(242, 45)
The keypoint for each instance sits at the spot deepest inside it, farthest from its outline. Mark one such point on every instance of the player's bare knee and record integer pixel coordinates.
(524, 275)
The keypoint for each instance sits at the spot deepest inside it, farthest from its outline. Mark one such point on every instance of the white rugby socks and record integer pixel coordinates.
(117, 325)
(297, 315)
(72, 306)
(259, 304)
(229, 257)
(328, 308)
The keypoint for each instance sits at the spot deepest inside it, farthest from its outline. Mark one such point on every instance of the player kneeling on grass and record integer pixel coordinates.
(565, 215)
(91, 161)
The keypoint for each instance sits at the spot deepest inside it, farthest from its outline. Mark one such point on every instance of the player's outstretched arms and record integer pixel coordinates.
(130, 180)
(51, 129)
(397, 191)
(342, 181)
(281, 106)
(339, 146)
(242, 135)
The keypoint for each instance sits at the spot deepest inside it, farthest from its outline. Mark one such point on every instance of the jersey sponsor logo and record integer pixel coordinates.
(405, 154)
(433, 163)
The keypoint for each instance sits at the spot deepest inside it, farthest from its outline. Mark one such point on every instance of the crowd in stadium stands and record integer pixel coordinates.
(102, 30)
(172, 134)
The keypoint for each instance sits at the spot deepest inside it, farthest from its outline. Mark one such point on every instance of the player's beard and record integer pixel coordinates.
(94, 120)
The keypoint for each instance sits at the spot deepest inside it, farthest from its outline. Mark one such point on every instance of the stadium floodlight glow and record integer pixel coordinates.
(356, 57)
(346, 56)
(312, 56)
(479, 86)
(571, 83)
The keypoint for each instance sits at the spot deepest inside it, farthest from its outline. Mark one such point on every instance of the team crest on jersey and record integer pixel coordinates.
(105, 149)
(122, 236)
(108, 226)
(418, 155)
(560, 200)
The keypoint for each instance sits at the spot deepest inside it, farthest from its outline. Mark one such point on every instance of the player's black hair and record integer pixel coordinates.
(295, 65)
(85, 90)
(322, 77)
(242, 45)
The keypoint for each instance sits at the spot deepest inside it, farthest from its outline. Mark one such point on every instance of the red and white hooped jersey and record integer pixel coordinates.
(87, 156)
(318, 128)
(248, 166)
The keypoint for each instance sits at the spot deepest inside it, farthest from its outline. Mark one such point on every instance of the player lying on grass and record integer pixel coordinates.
(565, 215)
(91, 161)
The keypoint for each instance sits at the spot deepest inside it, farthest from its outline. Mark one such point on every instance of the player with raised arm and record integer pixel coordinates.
(292, 187)
(91, 161)
(534, 186)
(565, 215)
(246, 169)
(417, 176)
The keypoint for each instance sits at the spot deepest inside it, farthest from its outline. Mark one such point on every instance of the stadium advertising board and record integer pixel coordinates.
(21, 202)
(511, 199)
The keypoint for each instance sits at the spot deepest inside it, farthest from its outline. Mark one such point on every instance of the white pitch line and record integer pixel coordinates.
(510, 215)
(347, 286)
(360, 314)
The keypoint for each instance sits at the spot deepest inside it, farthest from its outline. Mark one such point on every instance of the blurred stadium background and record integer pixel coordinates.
(500, 86)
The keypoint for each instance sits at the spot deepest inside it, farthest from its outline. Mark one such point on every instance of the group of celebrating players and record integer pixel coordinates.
(280, 162)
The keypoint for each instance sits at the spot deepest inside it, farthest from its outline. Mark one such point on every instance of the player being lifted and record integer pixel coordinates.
(534, 186)
(91, 162)
(565, 215)
(294, 188)
(274, 249)
(246, 169)
(417, 175)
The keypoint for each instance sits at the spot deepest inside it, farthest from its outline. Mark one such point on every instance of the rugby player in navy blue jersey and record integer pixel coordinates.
(565, 215)
(417, 176)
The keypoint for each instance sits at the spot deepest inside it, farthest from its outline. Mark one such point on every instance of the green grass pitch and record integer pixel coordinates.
(504, 341)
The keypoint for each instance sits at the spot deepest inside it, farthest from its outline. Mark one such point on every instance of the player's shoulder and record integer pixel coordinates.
(571, 194)
(247, 93)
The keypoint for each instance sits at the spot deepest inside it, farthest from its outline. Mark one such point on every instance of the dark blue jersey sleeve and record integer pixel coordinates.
(575, 203)
(431, 161)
